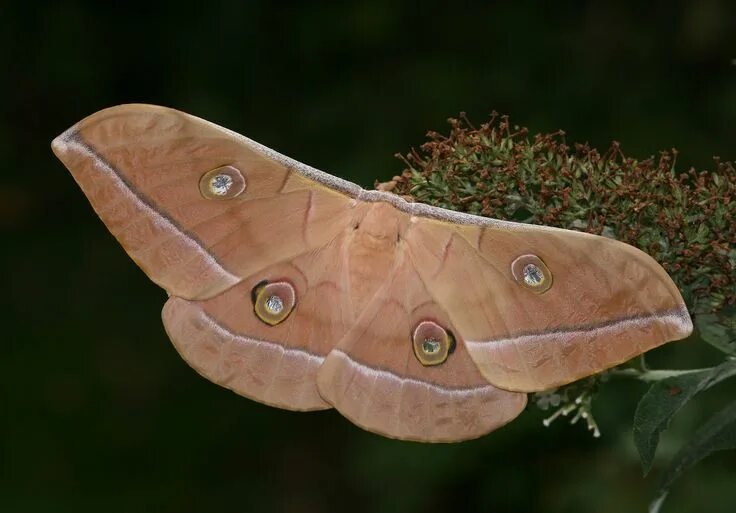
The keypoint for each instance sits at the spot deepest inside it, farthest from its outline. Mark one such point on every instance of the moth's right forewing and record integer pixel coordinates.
(604, 302)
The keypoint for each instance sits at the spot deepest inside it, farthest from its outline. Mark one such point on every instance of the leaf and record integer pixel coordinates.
(718, 434)
(719, 329)
(664, 399)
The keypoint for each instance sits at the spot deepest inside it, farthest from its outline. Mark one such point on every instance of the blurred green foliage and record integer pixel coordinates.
(98, 410)
(665, 398)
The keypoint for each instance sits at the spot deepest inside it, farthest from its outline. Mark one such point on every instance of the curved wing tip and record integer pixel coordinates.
(683, 322)
(60, 144)
(132, 108)
(121, 109)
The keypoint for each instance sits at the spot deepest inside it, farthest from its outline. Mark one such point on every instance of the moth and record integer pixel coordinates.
(304, 291)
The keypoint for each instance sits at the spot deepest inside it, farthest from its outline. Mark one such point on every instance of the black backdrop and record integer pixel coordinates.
(99, 412)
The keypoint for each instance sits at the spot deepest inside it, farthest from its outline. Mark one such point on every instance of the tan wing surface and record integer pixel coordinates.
(374, 378)
(302, 290)
(141, 166)
(225, 341)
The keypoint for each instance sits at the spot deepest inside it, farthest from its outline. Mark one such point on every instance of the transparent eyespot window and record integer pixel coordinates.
(222, 183)
(274, 301)
(532, 273)
(431, 346)
(274, 305)
(432, 343)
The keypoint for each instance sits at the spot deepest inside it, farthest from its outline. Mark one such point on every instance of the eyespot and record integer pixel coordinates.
(222, 183)
(432, 343)
(273, 302)
(531, 273)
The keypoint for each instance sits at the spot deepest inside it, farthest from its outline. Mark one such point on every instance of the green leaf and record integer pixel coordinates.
(664, 399)
(719, 329)
(718, 434)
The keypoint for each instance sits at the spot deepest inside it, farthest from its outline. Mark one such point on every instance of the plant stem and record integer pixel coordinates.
(651, 375)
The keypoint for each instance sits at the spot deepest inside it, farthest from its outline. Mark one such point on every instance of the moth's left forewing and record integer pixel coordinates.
(143, 168)
(603, 302)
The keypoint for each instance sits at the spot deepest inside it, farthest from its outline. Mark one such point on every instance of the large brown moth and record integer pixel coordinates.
(304, 291)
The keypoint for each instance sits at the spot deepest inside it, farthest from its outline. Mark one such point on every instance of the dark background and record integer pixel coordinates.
(100, 413)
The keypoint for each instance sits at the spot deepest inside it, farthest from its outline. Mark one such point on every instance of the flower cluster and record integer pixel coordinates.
(686, 220)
